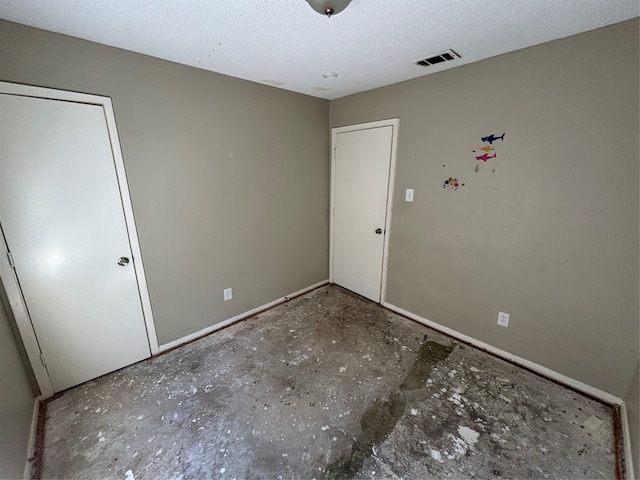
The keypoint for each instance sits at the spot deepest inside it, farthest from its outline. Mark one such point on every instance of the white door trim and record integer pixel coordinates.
(394, 123)
(7, 274)
(23, 323)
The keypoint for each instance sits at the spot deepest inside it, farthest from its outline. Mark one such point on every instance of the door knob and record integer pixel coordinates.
(378, 231)
(123, 261)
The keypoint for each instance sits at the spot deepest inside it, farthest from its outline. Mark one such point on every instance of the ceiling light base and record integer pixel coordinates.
(328, 7)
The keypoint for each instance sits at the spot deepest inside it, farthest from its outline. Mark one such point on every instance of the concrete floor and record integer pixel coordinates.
(327, 385)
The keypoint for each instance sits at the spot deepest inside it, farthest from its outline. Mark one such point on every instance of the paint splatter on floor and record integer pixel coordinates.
(327, 385)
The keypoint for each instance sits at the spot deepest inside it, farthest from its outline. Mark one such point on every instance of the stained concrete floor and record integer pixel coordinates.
(327, 385)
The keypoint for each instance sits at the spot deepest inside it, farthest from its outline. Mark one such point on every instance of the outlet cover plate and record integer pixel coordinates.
(228, 294)
(503, 319)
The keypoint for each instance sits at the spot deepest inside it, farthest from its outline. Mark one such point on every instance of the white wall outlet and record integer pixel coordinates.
(503, 319)
(228, 294)
(408, 196)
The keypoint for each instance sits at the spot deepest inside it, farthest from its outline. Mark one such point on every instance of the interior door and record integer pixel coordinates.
(62, 218)
(362, 160)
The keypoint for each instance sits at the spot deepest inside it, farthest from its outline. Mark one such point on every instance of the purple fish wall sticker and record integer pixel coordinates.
(485, 156)
(492, 138)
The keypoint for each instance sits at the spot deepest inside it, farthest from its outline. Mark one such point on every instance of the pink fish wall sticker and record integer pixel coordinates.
(485, 156)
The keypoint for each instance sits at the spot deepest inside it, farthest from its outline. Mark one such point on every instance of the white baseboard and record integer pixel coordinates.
(626, 441)
(226, 323)
(31, 445)
(534, 367)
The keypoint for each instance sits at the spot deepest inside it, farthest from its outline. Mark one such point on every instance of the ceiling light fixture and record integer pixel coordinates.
(329, 7)
(330, 75)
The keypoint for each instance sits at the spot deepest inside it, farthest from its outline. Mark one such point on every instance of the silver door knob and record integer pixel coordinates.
(378, 231)
(123, 261)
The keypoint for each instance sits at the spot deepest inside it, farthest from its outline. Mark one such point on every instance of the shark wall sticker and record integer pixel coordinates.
(485, 156)
(492, 138)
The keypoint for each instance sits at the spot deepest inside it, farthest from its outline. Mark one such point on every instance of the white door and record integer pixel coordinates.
(361, 175)
(62, 217)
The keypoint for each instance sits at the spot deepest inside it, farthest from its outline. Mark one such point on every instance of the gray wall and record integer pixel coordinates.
(228, 178)
(16, 404)
(552, 236)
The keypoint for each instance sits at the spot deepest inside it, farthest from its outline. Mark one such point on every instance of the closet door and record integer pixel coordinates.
(62, 218)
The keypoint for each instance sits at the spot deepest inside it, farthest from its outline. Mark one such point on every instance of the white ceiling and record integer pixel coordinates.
(285, 43)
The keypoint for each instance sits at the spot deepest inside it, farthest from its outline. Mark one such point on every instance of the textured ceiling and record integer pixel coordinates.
(285, 43)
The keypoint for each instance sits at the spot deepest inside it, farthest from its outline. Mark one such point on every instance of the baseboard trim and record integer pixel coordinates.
(206, 331)
(626, 441)
(31, 444)
(522, 362)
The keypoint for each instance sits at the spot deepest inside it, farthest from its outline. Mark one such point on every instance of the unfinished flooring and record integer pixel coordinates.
(327, 385)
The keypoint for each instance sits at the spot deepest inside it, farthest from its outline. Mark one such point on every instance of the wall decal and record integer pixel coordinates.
(492, 138)
(452, 183)
(485, 156)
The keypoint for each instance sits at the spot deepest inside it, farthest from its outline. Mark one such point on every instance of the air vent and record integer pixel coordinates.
(445, 56)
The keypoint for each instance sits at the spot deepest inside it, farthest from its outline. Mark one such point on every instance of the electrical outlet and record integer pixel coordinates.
(228, 294)
(503, 319)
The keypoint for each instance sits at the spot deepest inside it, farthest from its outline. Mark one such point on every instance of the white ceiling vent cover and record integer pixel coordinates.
(445, 56)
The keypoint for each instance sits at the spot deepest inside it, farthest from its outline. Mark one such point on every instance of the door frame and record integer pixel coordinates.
(394, 123)
(8, 275)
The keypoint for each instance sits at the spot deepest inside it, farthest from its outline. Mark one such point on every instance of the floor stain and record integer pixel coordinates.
(430, 354)
(381, 418)
(377, 422)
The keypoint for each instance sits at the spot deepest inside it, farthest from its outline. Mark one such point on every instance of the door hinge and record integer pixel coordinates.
(10, 258)
(44, 364)
(334, 153)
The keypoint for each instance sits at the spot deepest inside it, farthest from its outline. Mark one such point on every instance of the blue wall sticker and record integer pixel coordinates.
(492, 138)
